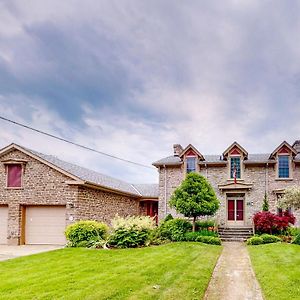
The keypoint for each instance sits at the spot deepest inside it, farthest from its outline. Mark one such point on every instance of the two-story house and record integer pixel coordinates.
(240, 179)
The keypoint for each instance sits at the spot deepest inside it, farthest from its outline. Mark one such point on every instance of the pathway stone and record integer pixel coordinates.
(233, 277)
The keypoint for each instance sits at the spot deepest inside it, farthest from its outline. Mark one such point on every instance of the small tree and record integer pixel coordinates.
(265, 206)
(195, 197)
(291, 198)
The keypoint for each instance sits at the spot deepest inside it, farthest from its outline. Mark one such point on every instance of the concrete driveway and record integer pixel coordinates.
(8, 252)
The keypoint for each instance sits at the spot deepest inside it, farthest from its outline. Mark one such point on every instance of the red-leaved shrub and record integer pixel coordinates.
(266, 222)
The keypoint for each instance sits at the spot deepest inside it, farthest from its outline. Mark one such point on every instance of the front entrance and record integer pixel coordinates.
(235, 211)
(151, 209)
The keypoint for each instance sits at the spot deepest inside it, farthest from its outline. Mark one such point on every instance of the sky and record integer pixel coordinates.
(132, 78)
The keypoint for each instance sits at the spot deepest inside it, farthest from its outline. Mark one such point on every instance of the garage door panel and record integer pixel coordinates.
(45, 225)
(3, 224)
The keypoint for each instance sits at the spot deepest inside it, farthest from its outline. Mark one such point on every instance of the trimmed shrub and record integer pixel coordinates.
(255, 240)
(208, 240)
(79, 234)
(131, 232)
(268, 238)
(175, 229)
(191, 236)
(200, 225)
(297, 240)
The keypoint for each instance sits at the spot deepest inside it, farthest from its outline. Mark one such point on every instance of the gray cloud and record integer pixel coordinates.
(134, 77)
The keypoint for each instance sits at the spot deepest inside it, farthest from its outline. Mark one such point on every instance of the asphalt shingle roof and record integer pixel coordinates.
(147, 190)
(170, 160)
(175, 160)
(98, 178)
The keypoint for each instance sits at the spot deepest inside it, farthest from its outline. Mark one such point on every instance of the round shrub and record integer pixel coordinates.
(131, 232)
(79, 234)
(268, 238)
(129, 238)
(255, 240)
(174, 230)
(297, 240)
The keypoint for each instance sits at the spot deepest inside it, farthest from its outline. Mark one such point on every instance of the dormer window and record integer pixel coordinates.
(283, 166)
(235, 167)
(191, 164)
(14, 175)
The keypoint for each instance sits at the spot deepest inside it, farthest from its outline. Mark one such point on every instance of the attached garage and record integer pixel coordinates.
(45, 225)
(3, 224)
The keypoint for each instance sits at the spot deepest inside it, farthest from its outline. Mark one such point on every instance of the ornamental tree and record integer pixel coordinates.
(265, 206)
(195, 197)
(291, 198)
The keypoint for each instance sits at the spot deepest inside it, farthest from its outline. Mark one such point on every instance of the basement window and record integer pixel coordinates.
(14, 175)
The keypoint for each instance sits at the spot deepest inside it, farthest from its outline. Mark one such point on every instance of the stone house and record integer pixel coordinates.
(240, 179)
(41, 194)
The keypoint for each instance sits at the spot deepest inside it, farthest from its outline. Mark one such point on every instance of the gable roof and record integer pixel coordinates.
(81, 174)
(235, 144)
(286, 144)
(191, 147)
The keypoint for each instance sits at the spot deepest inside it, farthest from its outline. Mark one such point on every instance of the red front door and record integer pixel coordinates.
(239, 210)
(231, 210)
(235, 211)
(152, 209)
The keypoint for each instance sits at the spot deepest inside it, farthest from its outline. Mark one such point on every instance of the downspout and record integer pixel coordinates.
(165, 190)
(266, 178)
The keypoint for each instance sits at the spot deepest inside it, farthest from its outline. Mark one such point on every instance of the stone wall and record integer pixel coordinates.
(41, 185)
(102, 206)
(169, 179)
(263, 179)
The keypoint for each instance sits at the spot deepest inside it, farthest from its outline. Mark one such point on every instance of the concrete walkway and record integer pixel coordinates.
(8, 252)
(233, 277)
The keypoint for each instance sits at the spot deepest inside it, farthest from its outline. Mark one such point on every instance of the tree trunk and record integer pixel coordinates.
(194, 224)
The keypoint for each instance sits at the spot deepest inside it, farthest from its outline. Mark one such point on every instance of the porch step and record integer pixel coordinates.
(236, 234)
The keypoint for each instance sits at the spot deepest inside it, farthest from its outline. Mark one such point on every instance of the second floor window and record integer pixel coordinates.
(190, 164)
(235, 167)
(283, 166)
(14, 175)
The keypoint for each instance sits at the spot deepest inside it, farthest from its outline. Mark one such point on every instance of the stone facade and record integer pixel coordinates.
(103, 206)
(44, 185)
(258, 177)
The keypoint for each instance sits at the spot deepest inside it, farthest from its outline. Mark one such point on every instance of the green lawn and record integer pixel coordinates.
(277, 268)
(172, 271)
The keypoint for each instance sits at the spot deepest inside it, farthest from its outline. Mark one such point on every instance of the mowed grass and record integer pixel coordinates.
(277, 268)
(171, 271)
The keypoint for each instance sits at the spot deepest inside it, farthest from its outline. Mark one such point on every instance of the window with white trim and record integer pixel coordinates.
(235, 166)
(191, 164)
(14, 175)
(283, 166)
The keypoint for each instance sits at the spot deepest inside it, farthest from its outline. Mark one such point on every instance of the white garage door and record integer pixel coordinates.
(3, 224)
(45, 225)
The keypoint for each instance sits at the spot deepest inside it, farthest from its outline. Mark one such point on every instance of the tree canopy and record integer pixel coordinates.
(291, 198)
(195, 197)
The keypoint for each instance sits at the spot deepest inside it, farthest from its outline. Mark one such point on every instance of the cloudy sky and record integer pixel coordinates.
(133, 77)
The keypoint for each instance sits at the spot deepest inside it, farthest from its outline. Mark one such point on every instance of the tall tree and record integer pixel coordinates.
(195, 197)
